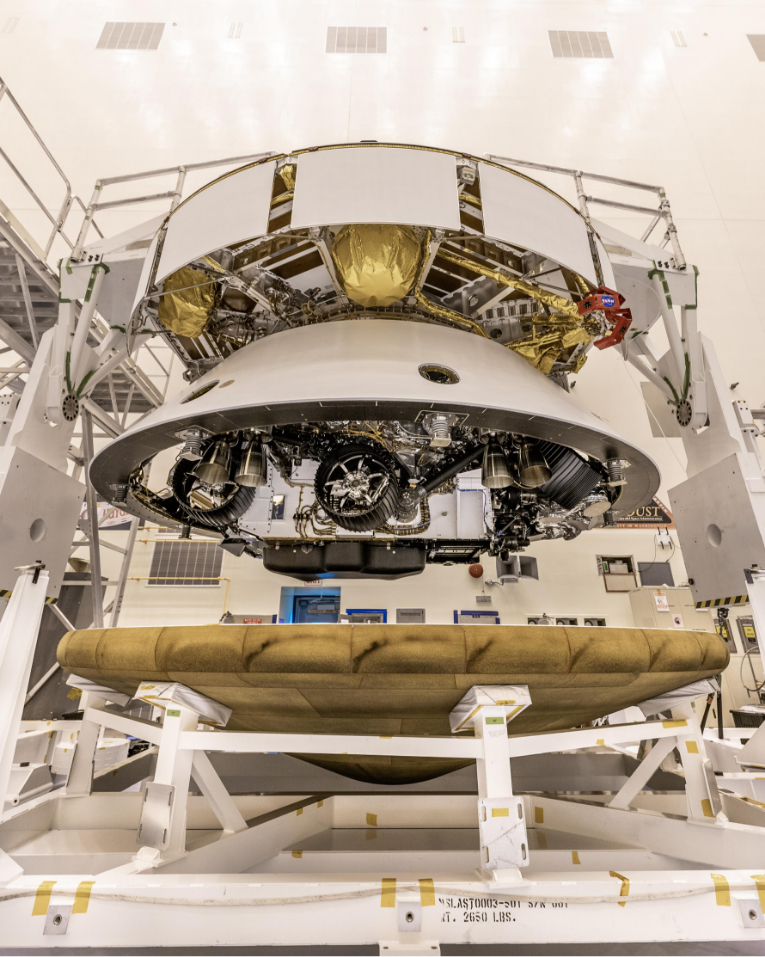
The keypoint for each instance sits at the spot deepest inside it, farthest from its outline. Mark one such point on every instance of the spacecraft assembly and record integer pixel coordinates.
(364, 327)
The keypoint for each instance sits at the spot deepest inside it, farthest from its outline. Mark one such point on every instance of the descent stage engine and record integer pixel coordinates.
(369, 331)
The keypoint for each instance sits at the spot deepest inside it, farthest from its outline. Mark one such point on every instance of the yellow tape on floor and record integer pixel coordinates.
(82, 897)
(722, 890)
(42, 899)
(388, 893)
(427, 892)
(625, 889)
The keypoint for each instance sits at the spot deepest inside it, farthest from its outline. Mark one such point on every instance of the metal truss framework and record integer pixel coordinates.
(30, 306)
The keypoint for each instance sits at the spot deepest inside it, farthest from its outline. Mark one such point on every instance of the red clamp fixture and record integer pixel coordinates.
(610, 303)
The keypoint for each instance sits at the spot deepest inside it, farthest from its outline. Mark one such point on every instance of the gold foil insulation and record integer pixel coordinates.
(376, 264)
(186, 311)
(287, 174)
(563, 305)
(541, 351)
(437, 309)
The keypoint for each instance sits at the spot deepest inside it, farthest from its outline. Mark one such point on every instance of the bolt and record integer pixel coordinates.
(58, 918)
(752, 915)
(410, 916)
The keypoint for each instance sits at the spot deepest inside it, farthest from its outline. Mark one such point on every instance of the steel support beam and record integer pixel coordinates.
(92, 500)
(11, 338)
(28, 301)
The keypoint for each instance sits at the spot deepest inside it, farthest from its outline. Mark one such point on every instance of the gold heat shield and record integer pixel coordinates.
(395, 679)
(376, 264)
(186, 311)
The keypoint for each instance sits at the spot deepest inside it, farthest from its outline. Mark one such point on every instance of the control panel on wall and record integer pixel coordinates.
(748, 634)
(724, 628)
(364, 616)
(410, 616)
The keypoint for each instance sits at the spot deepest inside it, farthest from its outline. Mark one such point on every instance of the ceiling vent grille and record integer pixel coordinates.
(458, 34)
(572, 43)
(235, 31)
(10, 25)
(186, 563)
(357, 40)
(678, 38)
(130, 36)
(758, 44)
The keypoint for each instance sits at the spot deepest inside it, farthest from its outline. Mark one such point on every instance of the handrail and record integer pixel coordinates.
(109, 180)
(573, 172)
(174, 195)
(69, 199)
(662, 212)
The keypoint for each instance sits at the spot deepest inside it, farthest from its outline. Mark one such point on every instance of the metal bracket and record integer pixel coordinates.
(751, 911)
(420, 948)
(409, 916)
(157, 807)
(502, 829)
(57, 919)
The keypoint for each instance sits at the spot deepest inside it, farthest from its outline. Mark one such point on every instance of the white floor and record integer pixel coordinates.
(688, 117)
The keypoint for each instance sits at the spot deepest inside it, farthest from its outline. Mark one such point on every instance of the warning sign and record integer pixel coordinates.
(655, 515)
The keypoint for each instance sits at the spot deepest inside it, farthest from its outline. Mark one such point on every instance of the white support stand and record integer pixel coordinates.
(501, 818)
(162, 829)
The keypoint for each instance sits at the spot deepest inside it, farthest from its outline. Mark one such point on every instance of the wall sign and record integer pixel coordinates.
(655, 515)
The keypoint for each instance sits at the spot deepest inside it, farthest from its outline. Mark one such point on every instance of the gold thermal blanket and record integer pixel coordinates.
(396, 679)
(376, 264)
(186, 311)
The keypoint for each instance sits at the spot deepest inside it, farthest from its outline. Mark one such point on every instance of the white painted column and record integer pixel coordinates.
(79, 782)
(494, 778)
(19, 629)
(501, 815)
(162, 829)
(702, 795)
(755, 587)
